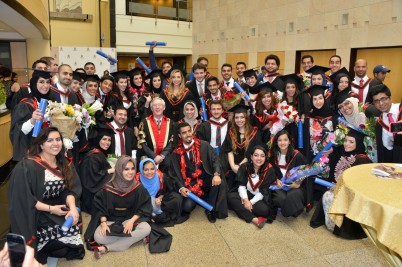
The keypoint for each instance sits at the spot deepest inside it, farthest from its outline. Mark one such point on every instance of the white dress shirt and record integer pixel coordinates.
(224, 131)
(388, 137)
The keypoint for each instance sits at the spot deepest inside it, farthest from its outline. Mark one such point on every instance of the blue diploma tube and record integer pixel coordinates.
(106, 56)
(204, 109)
(238, 87)
(67, 224)
(143, 65)
(300, 133)
(156, 43)
(348, 124)
(330, 86)
(326, 148)
(38, 124)
(199, 201)
(324, 183)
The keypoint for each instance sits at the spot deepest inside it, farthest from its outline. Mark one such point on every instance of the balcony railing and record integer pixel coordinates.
(178, 10)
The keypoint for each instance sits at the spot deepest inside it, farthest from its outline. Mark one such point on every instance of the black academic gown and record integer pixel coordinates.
(262, 208)
(291, 202)
(27, 187)
(241, 151)
(260, 122)
(385, 155)
(204, 133)
(130, 141)
(72, 98)
(93, 172)
(147, 141)
(277, 83)
(174, 107)
(210, 165)
(349, 229)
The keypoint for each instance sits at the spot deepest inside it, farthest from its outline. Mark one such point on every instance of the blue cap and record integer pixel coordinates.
(380, 68)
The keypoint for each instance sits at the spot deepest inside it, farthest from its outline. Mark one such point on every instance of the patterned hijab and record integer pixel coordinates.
(118, 181)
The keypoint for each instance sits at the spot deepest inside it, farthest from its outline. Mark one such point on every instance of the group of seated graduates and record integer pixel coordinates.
(174, 137)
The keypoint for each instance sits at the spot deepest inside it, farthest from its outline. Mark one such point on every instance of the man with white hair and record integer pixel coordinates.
(156, 135)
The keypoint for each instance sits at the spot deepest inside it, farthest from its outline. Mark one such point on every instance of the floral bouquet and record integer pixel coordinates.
(299, 173)
(327, 141)
(230, 99)
(3, 97)
(286, 113)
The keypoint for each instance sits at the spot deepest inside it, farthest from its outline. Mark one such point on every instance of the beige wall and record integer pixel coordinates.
(287, 26)
(77, 33)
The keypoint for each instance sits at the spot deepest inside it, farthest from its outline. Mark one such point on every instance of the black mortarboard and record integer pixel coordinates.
(334, 76)
(317, 70)
(99, 131)
(153, 73)
(342, 96)
(240, 108)
(249, 73)
(315, 90)
(41, 73)
(79, 76)
(267, 86)
(359, 137)
(135, 71)
(120, 74)
(293, 78)
(92, 78)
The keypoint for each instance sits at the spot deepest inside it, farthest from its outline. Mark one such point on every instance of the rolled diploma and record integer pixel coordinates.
(199, 201)
(238, 87)
(38, 123)
(106, 56)
(143, 65)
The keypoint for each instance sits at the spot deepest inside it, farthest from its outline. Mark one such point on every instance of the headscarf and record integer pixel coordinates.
(324, 111)
(192, 121)
(151, 185)
(151, 84)
(356, 118)
(118, 180)
(88, 98)
(360, 147)
(33, 84)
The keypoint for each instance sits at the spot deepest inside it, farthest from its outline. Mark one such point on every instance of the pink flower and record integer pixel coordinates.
(324, 159)
(362, 126)
(331, 137)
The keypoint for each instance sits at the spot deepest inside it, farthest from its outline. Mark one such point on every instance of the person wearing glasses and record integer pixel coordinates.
(389, 145)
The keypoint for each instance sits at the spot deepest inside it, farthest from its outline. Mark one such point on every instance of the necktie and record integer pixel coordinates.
(159, 124)
(227, 83)
(218, 136)
(191, 156)
(200, 89)
(120, 131)
(361, 90)
(390, 120)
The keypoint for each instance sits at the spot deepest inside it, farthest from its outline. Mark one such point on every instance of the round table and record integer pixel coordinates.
(375, 203)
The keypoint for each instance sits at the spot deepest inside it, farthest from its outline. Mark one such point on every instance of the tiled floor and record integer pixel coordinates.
(232, 242)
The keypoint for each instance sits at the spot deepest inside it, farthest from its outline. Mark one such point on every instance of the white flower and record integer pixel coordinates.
(68, 144)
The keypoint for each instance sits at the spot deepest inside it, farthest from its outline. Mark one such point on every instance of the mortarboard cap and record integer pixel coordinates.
(240, 108)
(249, 73)
(317, 70)
(315, 90)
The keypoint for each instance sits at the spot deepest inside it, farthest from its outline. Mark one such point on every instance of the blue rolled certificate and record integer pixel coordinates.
(330, 86)
(38, 123)
(106, 56)
(300, 133)
(143, 65)
(348, 124)
(238, 87)
(324, 183)
(204, 109)
(67, 224)
(199, 201)
(326, 148)
(156, 43)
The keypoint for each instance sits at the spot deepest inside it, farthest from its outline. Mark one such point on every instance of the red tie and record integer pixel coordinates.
(361, 90)
(120, 131)
(390, 120)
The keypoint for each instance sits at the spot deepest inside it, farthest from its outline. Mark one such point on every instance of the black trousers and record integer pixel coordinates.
(260, 209)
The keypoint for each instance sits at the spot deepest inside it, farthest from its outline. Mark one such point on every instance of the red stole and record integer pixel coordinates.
(58, 91)
(160, 136)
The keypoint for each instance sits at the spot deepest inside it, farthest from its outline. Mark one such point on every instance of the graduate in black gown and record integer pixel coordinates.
(321, 120)
(153, 90)
(352, 153)
(240, 142)
(265, 115)
(175, 95)
(166, 203)
(284, 157)
(121, 211)
(190, 116)
(94, 169)
(44, 191)
(27, 112)
(250, 198)
(195, 167)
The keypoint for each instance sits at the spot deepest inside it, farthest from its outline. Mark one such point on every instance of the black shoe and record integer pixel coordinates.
(211, 217)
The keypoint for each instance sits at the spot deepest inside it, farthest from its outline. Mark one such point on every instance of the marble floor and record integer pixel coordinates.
(232, 242)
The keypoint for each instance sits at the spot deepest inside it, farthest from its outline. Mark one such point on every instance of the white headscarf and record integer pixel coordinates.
(192, 121)
(356, 118)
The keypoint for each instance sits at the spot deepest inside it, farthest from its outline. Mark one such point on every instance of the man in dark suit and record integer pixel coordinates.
(198, 85)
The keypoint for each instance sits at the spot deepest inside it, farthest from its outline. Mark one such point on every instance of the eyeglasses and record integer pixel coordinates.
(346, 103)
(382, 99)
